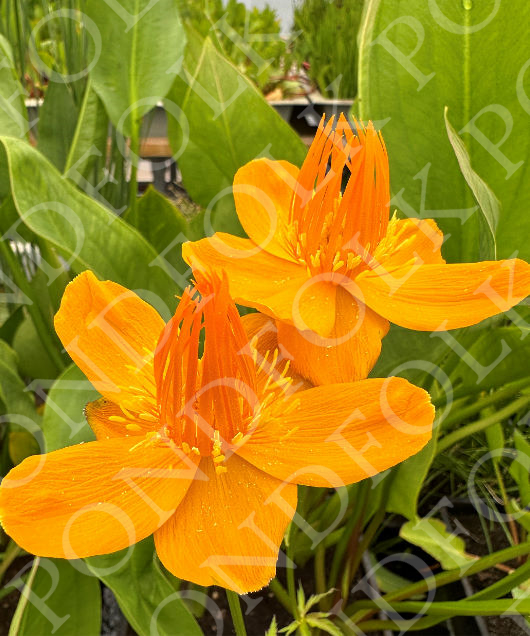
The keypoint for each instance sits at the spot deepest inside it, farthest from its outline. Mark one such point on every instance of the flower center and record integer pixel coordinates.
(206, 405)
(332, 229)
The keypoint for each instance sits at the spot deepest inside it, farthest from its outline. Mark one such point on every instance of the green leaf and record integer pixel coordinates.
(82, 230)
(163, 225)
(138, 67)
(64, 422)
(416, 58)
(21, 445)
(488, 203)
(430, 535)
(519, 468)
(33, 359)
(273, 628)
(225, 124)
(89, 142)
(154, 602)
(57, 122)
(324, 624)
(407, 481)
(17, 402)
(71, 602)
(490, 358)
(13, 115)
(388, 581)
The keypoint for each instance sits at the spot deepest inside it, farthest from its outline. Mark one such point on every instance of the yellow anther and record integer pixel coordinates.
(186, 448)
(216, 452)
(116, 418)
(219, 459)
(220, 469)
(338, 265)
(133, 427)
(148, 417)
(195, 450)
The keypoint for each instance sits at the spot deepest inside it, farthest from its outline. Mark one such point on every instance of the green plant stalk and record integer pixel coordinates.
(454, 437)
(362, 547)
(20, 40)
(291, 586)
(11, 553)
(281, 594)
(444, 578)
(34, 311)
(235, 611)
(342, 544)
(320, 569)
(459, 608)
(134, 149)
(24, 598)
(502, 394)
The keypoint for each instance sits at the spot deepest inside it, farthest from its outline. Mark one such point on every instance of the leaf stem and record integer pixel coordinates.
(235, 611)
(444, 578)
(461, 433)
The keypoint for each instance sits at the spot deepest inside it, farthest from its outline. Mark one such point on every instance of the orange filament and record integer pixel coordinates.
(334, 231)
(205, 404)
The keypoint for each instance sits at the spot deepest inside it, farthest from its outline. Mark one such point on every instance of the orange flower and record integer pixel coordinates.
(203, 452)
(333, 269)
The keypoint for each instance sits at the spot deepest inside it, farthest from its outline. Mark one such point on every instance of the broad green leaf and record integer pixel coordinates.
(418, 57)
(33, 359)
(431, 535)
(64, 422)
(71, 602)
(154, 604)
(143, 42)
(88, 147)
(163, 225)
(17, 401)
(57, 122)
(84, 232)
(407, 481)
(410, 354)
(488, 358)
(22, 444)
(225, 124)
(13, 115)
(488, 203)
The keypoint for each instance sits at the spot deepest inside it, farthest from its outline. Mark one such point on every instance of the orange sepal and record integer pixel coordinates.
(342, 433)
(350, 351)
(436, 297)
(93, 498)
(111, 334)
(263, 193)
(275, 286)
(228, 529)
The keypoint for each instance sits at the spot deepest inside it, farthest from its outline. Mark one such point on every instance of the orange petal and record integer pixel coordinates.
(92, 498)
(409, 240)
(108, 420)
(341, 433)
(228, 529)
(111, 334)
(438, 297)
(263, 193)
(347, 355)
(275, 286)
